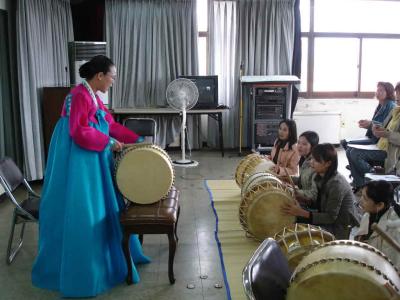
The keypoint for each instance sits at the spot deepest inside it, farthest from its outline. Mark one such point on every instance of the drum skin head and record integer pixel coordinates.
(252, 163)
(260, 210)
(258, 178)
(344, 270)
(144, 175)
(298, 240)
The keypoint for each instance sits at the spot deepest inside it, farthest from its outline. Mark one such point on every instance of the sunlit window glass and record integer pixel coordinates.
(304, 62)
(380, 62)
(202, 13)
(335, 64)
(202, 51)
(305, 15)
(358, 16)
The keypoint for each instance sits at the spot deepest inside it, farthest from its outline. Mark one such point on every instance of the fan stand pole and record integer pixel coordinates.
(184, 162)
(183, 142)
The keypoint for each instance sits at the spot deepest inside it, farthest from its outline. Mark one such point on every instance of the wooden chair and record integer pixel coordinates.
(157, 218)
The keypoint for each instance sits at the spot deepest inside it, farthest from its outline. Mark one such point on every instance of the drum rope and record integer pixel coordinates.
(340, 259)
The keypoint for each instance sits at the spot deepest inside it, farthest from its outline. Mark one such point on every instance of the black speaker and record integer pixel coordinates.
(208, 90)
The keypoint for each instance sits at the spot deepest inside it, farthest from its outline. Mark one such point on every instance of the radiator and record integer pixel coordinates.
(326, 123)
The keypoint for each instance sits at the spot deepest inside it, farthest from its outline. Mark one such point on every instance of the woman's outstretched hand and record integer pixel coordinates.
(117, 147)
(294, 209)
(364, 124)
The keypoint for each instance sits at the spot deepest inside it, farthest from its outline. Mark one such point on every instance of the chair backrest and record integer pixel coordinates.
(145, 127)
(10, 179)
(10, 174)
(266, 276)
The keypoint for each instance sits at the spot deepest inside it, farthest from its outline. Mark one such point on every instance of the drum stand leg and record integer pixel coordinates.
(172, 248)
(176, 224)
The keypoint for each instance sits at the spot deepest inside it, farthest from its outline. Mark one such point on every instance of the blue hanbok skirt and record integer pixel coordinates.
(80, 252)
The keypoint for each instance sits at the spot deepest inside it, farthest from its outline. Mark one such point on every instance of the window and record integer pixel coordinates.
(356, 16)
(380, 62)
(335, 64)
(305, 15)
(304, 60)
(348, 46)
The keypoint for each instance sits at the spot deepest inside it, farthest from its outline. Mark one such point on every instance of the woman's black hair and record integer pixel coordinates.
(397, 87)
(389, 88)
(97, 64)
(382, 191)
(312, 138)
(326, 152)
(292, 138)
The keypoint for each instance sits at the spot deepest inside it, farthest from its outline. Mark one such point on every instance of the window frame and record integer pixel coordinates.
(312, 35)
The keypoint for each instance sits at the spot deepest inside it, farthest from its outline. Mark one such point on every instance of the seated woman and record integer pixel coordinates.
(389, 136)
(307, 191)
(335, 202)
(385, 95)
(284, 153)
(379, 207)
(387, 147)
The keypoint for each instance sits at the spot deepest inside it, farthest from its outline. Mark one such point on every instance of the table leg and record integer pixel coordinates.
(221, 136)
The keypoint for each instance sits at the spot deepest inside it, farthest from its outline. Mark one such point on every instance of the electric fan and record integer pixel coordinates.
(182, 95)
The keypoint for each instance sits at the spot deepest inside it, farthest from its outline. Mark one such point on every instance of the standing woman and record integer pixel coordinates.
(307, 192)
(80, 252)
(335, 203)
(284, 153)
(379, 207)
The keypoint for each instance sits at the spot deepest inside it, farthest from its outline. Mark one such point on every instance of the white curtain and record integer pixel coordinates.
(44, 28)
(151, 43)
(257, 33)
(224, 62)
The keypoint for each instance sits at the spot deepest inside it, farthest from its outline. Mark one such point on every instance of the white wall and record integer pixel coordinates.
(4, 4)
(351, 111)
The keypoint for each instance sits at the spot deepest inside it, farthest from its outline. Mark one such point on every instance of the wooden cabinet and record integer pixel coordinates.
(53, 100)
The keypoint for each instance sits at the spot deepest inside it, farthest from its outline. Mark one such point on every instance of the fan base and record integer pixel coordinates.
(186, 163)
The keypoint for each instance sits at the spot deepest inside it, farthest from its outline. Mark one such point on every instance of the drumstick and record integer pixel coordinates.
(135, 144)
(129, 145)
(290, 178)
(292, 185)
(385, 236)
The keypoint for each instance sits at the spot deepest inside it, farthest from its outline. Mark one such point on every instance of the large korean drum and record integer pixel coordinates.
(144, 173)
(297, 240)
(252, 163)
(344, 270)
(257, 179)
(260, 208)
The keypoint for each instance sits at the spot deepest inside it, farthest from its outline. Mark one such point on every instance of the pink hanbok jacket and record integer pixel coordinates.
(83, 110)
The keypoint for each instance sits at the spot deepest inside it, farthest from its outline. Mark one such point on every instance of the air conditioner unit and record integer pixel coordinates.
(81, 52)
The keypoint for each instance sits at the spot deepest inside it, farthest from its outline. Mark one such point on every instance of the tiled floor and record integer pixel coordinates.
(196, 254)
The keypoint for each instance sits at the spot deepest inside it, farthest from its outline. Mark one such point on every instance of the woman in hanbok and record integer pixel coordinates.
(80, 252)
